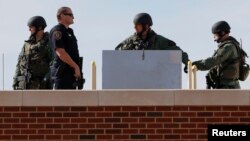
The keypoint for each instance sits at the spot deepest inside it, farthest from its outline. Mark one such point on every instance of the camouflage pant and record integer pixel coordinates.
(230, 85)
(34, 85)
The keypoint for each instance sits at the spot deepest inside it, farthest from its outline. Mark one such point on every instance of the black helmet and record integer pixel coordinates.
(220, 26)
(144, 19)
(37, 21)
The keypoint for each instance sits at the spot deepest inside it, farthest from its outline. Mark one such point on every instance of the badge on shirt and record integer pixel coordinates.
(57, 35)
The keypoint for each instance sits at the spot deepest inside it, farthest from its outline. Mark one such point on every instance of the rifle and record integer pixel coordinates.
(80, 82)
(210, 83)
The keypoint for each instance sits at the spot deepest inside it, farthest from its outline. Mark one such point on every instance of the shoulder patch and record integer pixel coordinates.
(57, 35)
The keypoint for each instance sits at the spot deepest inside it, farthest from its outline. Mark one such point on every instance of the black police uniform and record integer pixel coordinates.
(62, 74)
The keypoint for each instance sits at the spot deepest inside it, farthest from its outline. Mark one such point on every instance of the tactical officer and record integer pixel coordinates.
(32, 69)
(146, 39)
(223, 66)
(65, 69)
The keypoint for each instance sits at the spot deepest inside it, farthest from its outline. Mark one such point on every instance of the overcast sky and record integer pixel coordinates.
(102, 24)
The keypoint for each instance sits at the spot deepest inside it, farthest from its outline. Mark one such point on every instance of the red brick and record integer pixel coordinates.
(1, 132)
(196, 108)
(121, 125)
(230, 108)
(78, 120)
(130, 108)
(11, 109)
(163, 108)
(70, 125)
(193, 137)
(37, 114)
(197, 131)
(120, 114)
(53, 137)
(28, 131)
(138, 125)
(44, 120)
(70, 137)
(36, 126)
(147, 108)
(171, 125)
(62, 109)
(78, 131)
(96, 131)
(130, 120)
(130, 131)
(244, 108)
(112, 120)
(20, 115)
(1, 109)
(113, 108)
(180, 119)
(238, 114)
(119, 137)
(204, 114)
(202, 137)
(247, 120)
(95, 120)
(28, 120)
(61, 120)
(188, 125)
(154, 125)
(172, 137)
(163, 119)
(44, 109)
(5, 137)
(102, 137)
(19, 126)
(221, 114)
(11, 120)
(19, 137)
(97, 109)
(12, 132)
(147, 131)
(197, 119)
(1, 120)
(188, 114)
(54, 114)
(213, 108)
(5, 114)
(214, 120)
(171, 114)
(45, 131)
(180, 108)
(103, 114)
(138, 114)
(36, 137)
(61, 132)
(87, 114)
(202, 125)
(71, 114)
(53, 126)
(164, 131)
(231, 120)
(78, 109)
(28, 109)
(105, 126)
(147, 120)
(180, 131)
(87, 126)
(113, 131)
(155, 137)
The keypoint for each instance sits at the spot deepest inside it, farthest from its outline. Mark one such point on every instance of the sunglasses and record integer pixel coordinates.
(68, 14)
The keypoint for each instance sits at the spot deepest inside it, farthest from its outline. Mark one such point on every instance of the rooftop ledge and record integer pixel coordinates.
(125, 98)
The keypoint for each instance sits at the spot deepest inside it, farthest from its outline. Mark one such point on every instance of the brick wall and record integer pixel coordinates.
(116, 122)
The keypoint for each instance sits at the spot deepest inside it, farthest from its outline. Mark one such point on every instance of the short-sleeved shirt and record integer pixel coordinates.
(62, 37)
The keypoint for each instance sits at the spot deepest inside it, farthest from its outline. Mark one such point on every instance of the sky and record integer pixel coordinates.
(102, 24)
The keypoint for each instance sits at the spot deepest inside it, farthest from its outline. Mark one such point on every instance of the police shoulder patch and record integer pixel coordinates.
(57, 35)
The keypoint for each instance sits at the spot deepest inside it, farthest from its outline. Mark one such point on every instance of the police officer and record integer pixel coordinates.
(65, 69)
(146, 39)
(223, 66)
(32, 69)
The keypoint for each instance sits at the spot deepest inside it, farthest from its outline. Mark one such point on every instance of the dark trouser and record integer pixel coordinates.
(65, 82)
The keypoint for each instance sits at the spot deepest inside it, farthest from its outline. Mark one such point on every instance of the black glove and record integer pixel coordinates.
(185, 69)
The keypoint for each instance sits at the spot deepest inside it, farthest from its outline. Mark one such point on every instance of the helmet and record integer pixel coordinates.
(37, 21)
(144, 19)
(220, 26)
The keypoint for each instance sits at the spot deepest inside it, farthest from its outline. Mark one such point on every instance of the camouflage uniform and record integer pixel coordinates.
(152, 42)
(223, 65)
(37, 57)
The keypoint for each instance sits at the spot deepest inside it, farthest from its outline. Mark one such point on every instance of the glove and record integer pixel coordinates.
(185, 69)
